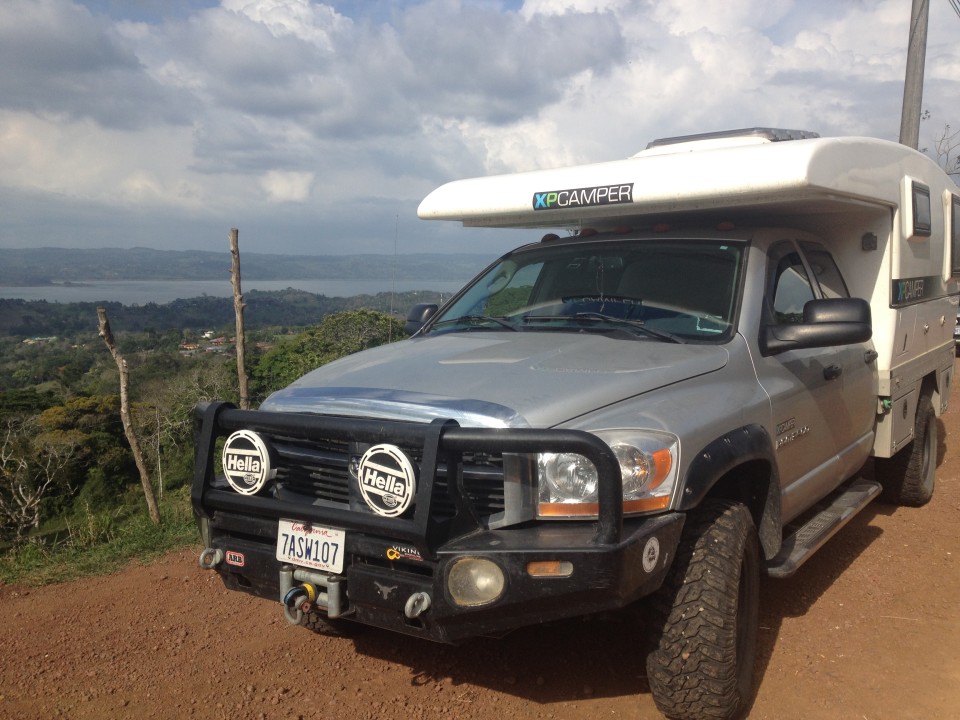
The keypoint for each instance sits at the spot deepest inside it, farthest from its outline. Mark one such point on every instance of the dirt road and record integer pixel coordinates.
(869, 629)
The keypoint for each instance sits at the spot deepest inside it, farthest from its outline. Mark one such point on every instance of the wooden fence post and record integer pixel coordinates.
(238, 306)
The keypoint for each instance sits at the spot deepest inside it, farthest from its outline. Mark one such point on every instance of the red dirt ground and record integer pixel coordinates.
(868, 629)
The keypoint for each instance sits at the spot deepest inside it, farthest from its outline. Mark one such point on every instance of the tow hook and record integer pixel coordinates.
(298, 602)
(417, 604)
(210, 558)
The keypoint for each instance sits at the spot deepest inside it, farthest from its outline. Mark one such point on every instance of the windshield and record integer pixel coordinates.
(664, 289)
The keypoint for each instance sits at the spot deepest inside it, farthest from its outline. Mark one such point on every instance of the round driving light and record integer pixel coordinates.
(475, 581)
(246, 462)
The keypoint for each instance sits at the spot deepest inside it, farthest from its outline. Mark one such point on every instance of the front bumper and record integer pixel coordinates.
(611, 562)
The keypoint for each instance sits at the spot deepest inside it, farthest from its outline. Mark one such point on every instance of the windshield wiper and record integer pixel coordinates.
(474, 319)
(600, 317)
(635, 324)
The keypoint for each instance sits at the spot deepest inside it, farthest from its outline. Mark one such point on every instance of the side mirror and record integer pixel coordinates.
(826, 323)
(418, 316)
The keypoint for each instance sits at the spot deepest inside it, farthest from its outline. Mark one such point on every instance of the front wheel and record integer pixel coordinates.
(705, 618)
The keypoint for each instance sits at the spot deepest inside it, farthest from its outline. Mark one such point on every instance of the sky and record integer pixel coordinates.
(318, 127)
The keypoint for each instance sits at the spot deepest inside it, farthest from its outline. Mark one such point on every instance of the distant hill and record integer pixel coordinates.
(41, 266)
(32, 318)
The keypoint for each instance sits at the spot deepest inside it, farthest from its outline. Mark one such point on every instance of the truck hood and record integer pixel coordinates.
(495, 379)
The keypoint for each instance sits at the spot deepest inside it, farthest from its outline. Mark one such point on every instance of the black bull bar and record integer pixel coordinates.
(442, 441)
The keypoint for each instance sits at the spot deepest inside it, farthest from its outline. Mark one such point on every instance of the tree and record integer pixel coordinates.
(336, 336)
(33, 465)
(165, 417)
(946, 146)
(107, 335)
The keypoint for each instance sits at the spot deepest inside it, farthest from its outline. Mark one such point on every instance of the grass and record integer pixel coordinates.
(98, 543)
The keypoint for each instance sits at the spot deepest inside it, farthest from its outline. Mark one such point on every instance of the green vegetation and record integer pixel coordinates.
(337, 335)
(164, 325)
(70, 501)
(102, 542)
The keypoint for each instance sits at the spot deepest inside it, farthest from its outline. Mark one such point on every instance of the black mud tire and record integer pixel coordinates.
(705, 618)
(332, 627)
(908, 477)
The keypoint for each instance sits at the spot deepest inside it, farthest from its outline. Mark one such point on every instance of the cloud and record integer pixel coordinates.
(313, 23)
(283, 186)
(60, 61)
(135, 118)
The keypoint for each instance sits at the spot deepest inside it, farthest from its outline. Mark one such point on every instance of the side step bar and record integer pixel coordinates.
(807, 535)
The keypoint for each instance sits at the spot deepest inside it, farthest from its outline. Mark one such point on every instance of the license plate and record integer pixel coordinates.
(320, 548)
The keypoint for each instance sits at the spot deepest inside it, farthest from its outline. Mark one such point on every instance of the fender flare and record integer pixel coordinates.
(721, 456)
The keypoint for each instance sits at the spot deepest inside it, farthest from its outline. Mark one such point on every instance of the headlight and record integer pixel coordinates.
(567, 477)
(567, 483)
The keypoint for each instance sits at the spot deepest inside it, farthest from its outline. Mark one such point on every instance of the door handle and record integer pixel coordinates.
(832, 372)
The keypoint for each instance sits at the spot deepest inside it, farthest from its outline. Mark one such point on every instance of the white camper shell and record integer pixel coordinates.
(889, 215)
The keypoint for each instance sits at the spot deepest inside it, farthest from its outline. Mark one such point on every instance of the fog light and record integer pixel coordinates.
(475, 581)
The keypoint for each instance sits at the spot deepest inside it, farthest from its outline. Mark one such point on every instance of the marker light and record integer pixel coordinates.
(549, 568)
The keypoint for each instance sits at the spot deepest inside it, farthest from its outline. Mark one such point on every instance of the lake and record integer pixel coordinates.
(141, 292)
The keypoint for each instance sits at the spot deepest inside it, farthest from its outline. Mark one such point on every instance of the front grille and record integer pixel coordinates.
(320, 470)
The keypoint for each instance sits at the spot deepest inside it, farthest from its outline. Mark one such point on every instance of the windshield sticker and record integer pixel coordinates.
(583, 197)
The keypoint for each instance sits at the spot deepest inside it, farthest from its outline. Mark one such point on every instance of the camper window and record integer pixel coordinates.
(922, 224)
(955, 235)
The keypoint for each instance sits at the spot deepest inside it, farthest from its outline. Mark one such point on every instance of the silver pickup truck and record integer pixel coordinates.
(679, 397)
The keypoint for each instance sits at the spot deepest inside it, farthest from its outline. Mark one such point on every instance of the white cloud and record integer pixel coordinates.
(302, 19)
(283, 186)
(83, 160)
(349, 112)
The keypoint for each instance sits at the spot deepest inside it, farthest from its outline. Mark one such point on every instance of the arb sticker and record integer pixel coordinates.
(234, 558)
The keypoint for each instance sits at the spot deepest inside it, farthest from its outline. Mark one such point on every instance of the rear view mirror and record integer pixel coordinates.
(418, 316)
(826, 323)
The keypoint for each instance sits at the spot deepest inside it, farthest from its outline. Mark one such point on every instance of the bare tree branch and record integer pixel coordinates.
(107, 335)
(946, 146)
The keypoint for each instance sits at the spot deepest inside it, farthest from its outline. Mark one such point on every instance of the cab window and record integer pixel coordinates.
(791, 288)
(825, 270)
